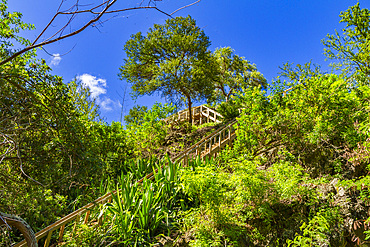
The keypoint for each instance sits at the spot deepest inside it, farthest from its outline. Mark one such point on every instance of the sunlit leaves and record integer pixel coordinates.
(148, 134)
(234, 73)
(351, 48)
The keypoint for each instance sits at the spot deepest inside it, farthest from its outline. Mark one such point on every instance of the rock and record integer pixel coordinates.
(341, 191)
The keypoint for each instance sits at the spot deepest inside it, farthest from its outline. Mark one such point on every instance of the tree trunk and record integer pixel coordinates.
(228, 95)
(190, 111)
(21, 225)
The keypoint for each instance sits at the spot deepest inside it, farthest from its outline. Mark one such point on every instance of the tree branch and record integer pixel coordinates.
(185, 7)
(105, 10)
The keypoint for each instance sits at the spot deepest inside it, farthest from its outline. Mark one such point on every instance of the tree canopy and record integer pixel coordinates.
(352, 47)
(136, 115)
(172, 60)
(234, 73)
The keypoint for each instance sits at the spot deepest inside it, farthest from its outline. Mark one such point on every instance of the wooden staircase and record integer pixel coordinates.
(209, 146)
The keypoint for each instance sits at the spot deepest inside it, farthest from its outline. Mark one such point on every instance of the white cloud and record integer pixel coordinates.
(56, 59)
(108, 104)
(97, 87)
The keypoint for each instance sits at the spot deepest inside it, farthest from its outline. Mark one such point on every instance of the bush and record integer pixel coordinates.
(229, 110)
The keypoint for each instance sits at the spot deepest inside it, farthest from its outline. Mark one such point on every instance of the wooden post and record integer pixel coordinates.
(201, 114)
(87, 216)
(197, 151)
(76, 222)
(61, 233)
(185, 160)
(229, 136)
(47, 241)
(192, 121)
(219, 139)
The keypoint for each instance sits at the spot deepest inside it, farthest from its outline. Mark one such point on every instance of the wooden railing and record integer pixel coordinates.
(201, 114)
(209, 146)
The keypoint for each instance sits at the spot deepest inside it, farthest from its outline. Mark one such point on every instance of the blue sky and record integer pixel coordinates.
(268, 33)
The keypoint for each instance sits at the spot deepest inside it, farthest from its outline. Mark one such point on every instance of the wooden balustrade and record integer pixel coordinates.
(207, 147)
(201, 114)
(224, 135)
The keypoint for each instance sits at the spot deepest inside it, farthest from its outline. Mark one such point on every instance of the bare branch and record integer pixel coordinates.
(59, 38)
(24, 173)
(58, 55)
(7, 140)
(74, 11)
(185, 7)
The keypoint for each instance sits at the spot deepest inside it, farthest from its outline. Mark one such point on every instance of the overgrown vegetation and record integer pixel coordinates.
(296, 175)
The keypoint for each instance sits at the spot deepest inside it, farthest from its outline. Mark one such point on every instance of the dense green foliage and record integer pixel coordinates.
(38, 152)
(136, 211)
(55, 149)
(234, 73)
(149, 135)
(136, 114)
(296, 175)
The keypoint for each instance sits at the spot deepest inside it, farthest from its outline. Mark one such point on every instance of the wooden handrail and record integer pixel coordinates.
(182, 157)
(202, 141)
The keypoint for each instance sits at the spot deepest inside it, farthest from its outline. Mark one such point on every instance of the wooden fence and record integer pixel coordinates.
(209, 146)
